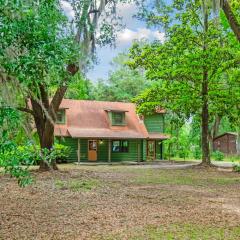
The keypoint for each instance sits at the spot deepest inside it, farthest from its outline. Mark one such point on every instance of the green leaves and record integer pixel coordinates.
(123, 83)
(40, 41)
(11, 159)
(177, 64)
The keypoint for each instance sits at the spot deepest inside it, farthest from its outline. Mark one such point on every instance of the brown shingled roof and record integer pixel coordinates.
(89, 119)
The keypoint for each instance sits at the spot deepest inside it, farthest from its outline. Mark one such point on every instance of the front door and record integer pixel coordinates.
(92, 150)
(151, 150)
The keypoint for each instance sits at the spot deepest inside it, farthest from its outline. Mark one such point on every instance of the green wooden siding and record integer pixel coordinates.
(83, 150)
(131, 155)
(154, 123)
(102, 150)
(144, 150)
(72, 144)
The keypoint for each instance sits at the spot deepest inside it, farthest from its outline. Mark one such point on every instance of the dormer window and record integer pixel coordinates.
(61, 116)
(118, 118)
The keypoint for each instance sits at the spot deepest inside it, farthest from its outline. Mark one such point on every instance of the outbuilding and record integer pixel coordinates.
(226, 143)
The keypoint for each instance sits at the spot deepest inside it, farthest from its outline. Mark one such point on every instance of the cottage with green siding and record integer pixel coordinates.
(109, 131)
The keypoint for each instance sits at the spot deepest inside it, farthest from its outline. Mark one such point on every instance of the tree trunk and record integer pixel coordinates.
(205, 120)
(44, 114)
(47, 142)
(205, 114)
(235, 26)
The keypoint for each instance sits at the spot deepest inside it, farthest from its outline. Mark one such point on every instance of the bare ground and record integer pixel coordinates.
(121, 202)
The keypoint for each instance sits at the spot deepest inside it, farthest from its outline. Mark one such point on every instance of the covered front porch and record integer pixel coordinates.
(109, 150)
(116, 150)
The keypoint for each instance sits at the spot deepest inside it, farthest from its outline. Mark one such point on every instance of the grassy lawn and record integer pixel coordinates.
(122, 202)
(233, 159)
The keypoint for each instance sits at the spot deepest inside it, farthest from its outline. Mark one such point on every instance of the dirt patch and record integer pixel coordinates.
(115, 203)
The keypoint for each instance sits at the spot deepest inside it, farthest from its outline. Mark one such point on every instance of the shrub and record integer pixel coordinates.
(28, 154)
(183, 153)
(197, 154)
(11, 160)
(218, 156)
(58, 153)
(236, 167)
(31, 154)
(61, 152)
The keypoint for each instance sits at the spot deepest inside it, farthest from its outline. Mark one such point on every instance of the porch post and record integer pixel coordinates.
(78, 151)
(109, 150)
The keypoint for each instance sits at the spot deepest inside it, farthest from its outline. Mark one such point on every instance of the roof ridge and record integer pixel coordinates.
(100, 101)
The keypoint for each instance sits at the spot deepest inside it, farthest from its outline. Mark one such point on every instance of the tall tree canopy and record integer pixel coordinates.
(192, 67)
(122, 84)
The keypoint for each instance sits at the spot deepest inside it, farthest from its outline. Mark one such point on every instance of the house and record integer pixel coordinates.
(109, 131)
(226, 143)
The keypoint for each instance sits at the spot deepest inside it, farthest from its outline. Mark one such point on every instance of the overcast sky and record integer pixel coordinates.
(134, 29)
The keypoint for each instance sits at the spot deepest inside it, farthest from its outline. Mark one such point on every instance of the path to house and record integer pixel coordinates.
(136, 202)
(183, 165)
(162, 164)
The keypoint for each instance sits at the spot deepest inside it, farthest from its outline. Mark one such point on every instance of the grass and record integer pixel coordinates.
(180, 232)
(191, 177)
(77, 185)
(234, 159)
(187, 177)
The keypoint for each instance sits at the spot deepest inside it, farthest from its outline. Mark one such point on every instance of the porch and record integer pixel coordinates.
(113, 150)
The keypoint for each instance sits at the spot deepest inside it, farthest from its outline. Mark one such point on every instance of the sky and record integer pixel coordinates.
(133, 29)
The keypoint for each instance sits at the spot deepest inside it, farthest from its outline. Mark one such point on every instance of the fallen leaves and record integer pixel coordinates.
(118, 205)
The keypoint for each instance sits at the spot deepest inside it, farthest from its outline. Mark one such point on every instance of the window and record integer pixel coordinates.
(118, 118)
(120, 146)
(60, 116)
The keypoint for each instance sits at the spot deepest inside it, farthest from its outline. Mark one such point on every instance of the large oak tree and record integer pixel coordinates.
(40, 50)
(189, 67)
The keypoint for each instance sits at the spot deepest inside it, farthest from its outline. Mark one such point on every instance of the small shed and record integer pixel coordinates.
(226, 143)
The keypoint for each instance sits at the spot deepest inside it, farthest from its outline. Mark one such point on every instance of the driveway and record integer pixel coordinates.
(181, 164)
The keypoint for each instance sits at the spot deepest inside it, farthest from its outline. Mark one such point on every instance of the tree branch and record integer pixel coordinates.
(231, 18)
(24, 109)
(44, 96)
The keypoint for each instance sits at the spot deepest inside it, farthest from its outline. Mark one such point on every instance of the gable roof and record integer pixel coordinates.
(85, 119)
(89, 119)
(226, 133)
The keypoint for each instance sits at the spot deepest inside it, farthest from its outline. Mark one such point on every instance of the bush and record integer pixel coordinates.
(61, 152)
(197, 154)
(236, 167)
(183, 153)
(11, 160)
(218, 156)
(31, 154)
(28, 154)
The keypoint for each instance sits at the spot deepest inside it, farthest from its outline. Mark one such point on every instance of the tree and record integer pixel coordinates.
(40, 52)
(188, 66)
(229, 13)
(122, 84)
(10, 119)
(80, 88)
